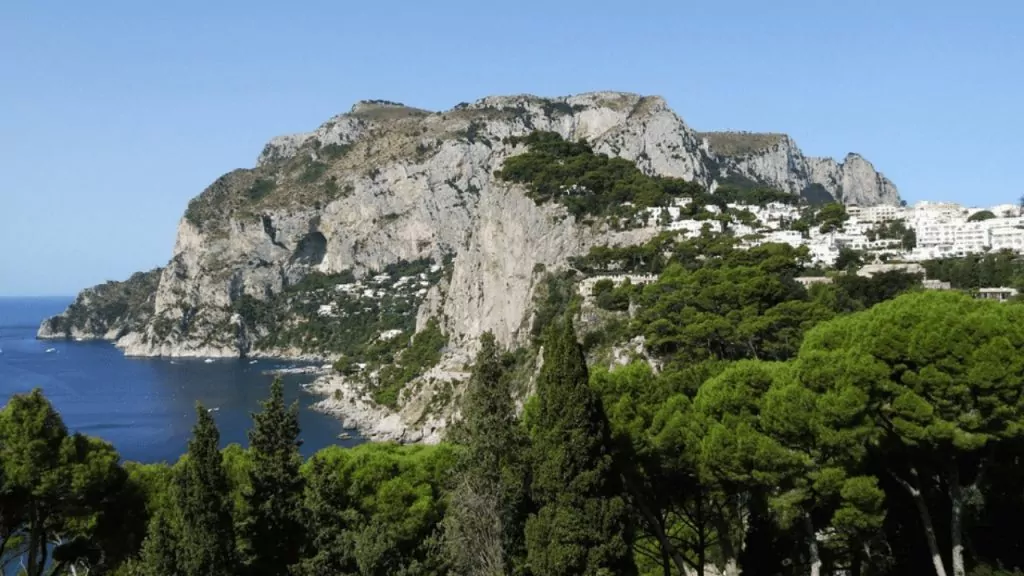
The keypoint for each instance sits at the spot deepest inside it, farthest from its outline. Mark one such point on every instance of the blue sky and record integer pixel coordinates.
(113, 114)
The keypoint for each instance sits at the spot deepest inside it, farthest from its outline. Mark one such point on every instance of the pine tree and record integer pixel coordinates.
(484, 526)
(272, 528)
(207, 544)
(582, 525)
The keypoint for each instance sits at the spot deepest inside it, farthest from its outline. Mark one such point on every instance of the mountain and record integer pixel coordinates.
(389, 220)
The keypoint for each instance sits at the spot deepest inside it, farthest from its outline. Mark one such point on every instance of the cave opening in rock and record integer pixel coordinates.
(311, 249)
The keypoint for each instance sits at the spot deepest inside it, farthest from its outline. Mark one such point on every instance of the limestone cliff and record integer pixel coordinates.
(776, 161)
(387, 216)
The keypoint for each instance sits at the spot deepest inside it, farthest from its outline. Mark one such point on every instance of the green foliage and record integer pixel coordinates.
(261, 188)
(272, 527)
(581, 525)
(647, 258)
(363, 309)
(555, 296)
(850, 292)
(1002, 268)
(64, 500)
(936, 379)
(423, 353)
(900, 415)
(123, 305)
(608, 296)
(312, 172)
(756, 196)
(206, 543)
(335, 151)
(849, 260)
(830, 217)
(586, 183)
(374, 509)
(744, 304)
(894, 230)
(981, 216)
(489, 505)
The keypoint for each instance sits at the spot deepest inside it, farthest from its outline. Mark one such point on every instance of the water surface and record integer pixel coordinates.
(144, 407)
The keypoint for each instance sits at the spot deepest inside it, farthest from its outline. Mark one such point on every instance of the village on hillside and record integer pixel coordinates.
(889, 237)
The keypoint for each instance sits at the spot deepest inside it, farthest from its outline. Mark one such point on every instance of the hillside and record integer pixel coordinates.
(344, 242)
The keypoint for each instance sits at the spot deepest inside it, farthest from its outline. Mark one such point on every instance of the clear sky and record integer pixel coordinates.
(114, 113)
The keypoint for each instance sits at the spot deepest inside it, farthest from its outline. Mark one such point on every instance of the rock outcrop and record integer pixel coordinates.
(109, 311)
(774, 160)
(387, 184)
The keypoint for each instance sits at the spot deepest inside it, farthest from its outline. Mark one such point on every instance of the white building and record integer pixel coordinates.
(942, 229)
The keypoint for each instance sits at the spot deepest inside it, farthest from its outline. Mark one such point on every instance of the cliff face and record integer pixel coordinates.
(775, 160)
(397, 215)
(386, 183)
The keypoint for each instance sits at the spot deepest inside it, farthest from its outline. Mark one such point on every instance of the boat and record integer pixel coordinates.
(215, 409)
(208, 360)
(253, 361)
(48, 350)
(344, 436)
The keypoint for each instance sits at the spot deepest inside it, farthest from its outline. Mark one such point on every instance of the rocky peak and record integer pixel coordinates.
(775, 160)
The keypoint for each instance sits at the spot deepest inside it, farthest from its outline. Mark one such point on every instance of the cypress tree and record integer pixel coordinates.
(582, 525)
(484, 526)
(272, 529)
(158, 556)
(207, 543)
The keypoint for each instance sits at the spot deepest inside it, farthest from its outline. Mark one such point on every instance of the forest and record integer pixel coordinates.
(864, 427)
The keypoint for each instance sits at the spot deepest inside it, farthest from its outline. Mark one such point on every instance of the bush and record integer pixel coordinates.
(261, 189)
(585, 182)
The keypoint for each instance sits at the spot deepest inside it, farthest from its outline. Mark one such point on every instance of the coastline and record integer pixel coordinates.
(340, 398)
(350, 404)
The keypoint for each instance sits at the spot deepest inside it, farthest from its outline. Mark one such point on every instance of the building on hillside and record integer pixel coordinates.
(872, 269)
(936, 285)
(808, 281)
(1001, 294)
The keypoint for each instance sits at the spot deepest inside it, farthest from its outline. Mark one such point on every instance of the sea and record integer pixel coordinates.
(145, 407)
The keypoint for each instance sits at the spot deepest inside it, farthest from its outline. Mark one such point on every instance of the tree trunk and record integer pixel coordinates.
(666, 545)
(855, 564)
(956, 520)
(812, 546)
(702, 552)
(926, 519)
(730, 566)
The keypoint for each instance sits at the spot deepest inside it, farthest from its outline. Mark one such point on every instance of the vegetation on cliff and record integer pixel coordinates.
(339, 313)
(587, 183)
(120, 306)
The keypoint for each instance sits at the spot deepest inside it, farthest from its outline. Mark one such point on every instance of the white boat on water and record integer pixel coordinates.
(216, 409)
(48, 350)
(208, 360)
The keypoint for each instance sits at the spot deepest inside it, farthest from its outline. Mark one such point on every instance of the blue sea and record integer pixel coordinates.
(144, 407)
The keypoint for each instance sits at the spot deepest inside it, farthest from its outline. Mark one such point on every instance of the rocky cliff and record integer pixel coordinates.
(109, 311)
(342, 239)
(776, 161)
